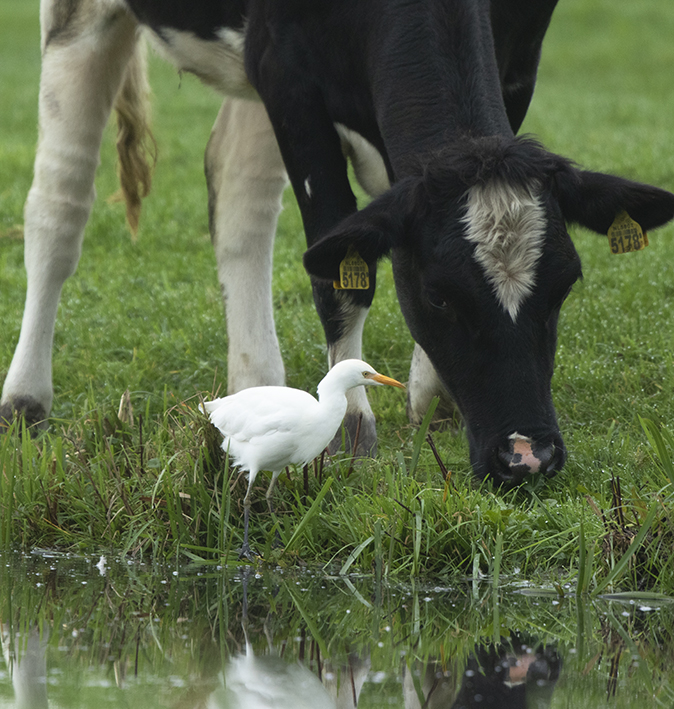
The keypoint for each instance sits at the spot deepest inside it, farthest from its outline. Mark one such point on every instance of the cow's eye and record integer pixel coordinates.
(437, 301)
(442, 305)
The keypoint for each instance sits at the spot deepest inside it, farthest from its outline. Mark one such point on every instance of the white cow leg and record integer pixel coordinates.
(424, 384)
(26, 659)
(82, 69)
(344, 683)
(439, 684)
(359, 421)
(246, 178)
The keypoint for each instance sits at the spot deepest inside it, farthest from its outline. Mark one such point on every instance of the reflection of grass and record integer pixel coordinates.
(175, 632)
(637, 533)
(147, 317)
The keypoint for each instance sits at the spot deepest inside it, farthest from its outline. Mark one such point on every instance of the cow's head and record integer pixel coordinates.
(482, 263)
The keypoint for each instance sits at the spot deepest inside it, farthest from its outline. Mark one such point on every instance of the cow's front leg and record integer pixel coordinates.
(343, 315)
(83, 62)
(423, 386)
(246, 178)
(312, 153)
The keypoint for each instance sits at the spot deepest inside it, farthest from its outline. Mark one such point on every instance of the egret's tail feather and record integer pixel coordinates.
(209, 406)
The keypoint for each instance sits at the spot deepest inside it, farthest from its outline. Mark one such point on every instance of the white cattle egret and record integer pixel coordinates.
(270, 427)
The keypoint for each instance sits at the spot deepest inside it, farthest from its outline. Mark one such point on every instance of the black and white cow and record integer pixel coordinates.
(424, 96)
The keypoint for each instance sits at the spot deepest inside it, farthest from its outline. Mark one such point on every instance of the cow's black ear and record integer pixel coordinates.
(593, 200)
(372, 232)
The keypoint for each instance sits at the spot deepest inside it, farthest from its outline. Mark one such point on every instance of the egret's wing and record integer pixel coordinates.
(268, 682)
(260, 411)
(263, 426)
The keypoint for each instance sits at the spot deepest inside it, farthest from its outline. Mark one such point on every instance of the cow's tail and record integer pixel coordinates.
(136, 146)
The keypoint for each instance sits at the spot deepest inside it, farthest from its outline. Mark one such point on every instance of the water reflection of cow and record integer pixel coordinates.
(26, 660)
(511, 676)
(507, 676)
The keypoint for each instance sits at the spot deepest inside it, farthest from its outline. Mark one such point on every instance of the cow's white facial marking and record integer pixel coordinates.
(307, 187)
(507, 226)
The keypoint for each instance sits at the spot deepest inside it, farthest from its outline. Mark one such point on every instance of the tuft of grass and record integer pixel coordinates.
(662, 442)
(163, 488)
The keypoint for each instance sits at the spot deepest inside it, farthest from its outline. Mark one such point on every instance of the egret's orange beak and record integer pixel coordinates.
(385, 380)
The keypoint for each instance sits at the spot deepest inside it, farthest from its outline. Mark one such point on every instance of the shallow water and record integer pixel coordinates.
(79, 633)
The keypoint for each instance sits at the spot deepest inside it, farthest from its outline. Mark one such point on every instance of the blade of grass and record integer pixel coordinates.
(497, 559)
(420, 435)
(417, 542)
(618, 569)
(225, 505)
(310, 623)
(637, 596)
(378, 552)
(581, 583)
(656, 437)
(354, 555)
(394, 526)
(313, 510)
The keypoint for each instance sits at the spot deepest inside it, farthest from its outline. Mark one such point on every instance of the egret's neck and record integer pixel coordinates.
(332, 397)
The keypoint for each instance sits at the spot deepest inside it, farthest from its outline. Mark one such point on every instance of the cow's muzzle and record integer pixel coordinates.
(520, 456)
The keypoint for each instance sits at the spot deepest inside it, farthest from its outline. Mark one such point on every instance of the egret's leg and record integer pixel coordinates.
(244, 610)
(245, 549)
(270, 490)
(277, 541)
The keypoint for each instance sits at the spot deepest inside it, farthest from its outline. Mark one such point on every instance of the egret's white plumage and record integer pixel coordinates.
(268, 428)
(268, 682)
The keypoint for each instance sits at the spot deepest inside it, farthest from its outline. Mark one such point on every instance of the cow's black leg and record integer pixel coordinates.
(312, 153)
(518, 30)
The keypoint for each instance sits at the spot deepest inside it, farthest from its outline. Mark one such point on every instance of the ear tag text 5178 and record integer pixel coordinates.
(626, 235)
(353, 272)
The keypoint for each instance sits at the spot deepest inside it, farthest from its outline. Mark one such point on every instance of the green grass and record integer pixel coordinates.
(147, 317)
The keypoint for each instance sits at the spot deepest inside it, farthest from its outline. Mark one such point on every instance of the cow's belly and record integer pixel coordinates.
(218, 62)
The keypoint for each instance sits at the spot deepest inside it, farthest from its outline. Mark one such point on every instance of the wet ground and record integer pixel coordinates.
(94, 633)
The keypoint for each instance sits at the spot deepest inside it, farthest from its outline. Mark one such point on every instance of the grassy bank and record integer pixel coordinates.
(147, 317)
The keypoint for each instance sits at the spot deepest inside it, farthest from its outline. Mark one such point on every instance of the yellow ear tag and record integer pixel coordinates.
(353, 272)
(626, 235)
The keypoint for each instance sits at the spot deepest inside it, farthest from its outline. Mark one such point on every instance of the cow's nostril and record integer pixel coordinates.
(551, 459)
